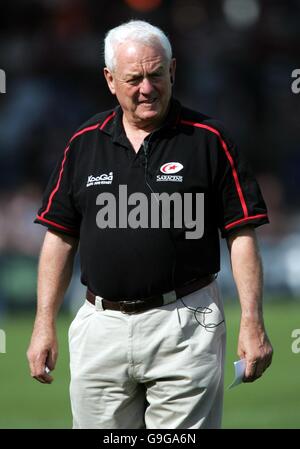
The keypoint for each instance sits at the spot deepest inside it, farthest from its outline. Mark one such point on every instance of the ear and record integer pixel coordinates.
(110, 80)
(172, 70)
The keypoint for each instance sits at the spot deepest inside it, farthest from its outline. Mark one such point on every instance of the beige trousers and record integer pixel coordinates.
(159, 369)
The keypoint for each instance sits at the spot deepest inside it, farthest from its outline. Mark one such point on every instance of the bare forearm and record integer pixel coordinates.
(55, 270)
(253, 343)
(54, 274)
(248, 273)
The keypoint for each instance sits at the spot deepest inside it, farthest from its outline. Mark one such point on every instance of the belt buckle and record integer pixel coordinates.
(123, 305)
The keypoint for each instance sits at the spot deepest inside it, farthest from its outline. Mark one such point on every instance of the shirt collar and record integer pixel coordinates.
(115, 126)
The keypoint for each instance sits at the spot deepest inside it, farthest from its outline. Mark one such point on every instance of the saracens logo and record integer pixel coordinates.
(169, 169)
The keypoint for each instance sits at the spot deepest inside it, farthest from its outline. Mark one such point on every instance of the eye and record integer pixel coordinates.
(156, 75)
(134, 81)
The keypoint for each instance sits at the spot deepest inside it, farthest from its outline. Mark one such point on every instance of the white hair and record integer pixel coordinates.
(137, 31)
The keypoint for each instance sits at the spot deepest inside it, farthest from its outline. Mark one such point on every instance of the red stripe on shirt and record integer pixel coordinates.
(56, 224)
(79, 133)
(107, 120)
(231, 161)
(84, 130)
(230, 225)
(57, 184)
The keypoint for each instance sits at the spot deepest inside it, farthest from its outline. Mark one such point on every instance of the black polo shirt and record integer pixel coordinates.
(190, 153)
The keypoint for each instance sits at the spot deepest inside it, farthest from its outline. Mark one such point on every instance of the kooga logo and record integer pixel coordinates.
(101, 179)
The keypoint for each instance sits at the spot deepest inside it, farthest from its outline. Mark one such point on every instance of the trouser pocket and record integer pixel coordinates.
(86, 311)
(202, 320)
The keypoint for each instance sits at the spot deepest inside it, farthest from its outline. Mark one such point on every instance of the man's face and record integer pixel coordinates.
(141, 82)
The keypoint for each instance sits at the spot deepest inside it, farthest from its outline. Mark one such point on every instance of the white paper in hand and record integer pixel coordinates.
(239, 372)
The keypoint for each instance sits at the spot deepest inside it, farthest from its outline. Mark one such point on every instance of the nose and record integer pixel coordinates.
(146, 87)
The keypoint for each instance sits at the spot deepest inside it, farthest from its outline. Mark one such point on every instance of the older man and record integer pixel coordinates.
(147, 346)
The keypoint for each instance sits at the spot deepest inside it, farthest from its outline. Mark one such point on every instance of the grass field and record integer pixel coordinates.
(271, 402)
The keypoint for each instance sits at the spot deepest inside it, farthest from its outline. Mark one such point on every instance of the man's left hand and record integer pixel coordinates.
(255, 347)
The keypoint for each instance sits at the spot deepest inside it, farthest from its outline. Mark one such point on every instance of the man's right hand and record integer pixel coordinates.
(42, 352)
(54, 275)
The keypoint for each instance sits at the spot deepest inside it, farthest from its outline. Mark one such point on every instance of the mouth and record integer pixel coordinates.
(148, 101)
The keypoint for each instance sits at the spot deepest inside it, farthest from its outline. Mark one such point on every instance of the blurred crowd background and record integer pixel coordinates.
(235, 60)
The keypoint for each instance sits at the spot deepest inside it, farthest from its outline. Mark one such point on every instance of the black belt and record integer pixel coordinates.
(141, 305)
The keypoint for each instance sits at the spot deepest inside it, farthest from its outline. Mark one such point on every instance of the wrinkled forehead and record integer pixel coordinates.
(130, 55)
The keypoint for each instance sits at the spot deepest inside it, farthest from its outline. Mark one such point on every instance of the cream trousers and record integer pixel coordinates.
(159, 369)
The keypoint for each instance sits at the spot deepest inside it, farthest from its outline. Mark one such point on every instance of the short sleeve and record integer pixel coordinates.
(238, 195)
(58, 211)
